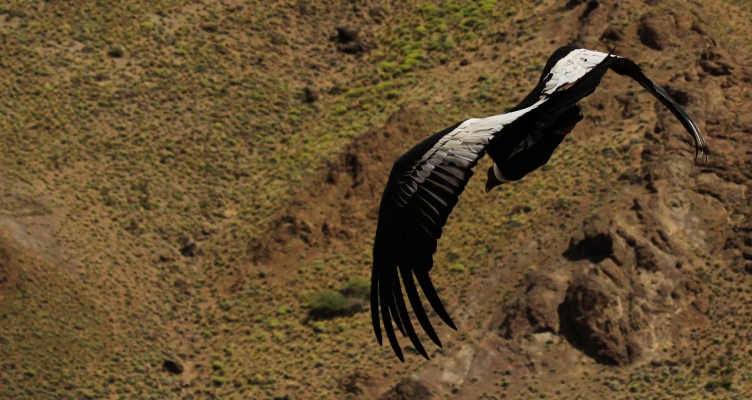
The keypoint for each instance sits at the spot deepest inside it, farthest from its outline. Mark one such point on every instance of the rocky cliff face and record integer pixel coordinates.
(627, 287)
(617, 288)
(649, 281)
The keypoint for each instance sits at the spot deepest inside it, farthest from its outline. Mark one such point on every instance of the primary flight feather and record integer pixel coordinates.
(425, 182)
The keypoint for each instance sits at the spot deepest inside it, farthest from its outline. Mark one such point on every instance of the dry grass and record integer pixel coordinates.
(132, 128)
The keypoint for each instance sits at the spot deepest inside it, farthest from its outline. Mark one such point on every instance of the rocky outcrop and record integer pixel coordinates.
(355, 384)
(655, 32)
(663, 30)
(535, 307)
(348, 40)
(594, 318)
(408, 389)
(625, 280)
(173, 366)
(740, 246)
(715, 62)
(593, 242)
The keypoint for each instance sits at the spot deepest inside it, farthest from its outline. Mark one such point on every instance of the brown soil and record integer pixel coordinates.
(181, 180)
(8, 270)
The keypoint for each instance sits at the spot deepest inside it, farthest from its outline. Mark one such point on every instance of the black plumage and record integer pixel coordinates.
(425, 182)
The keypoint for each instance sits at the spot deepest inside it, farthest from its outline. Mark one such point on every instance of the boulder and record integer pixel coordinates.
(173, 366)
(534, 309)
(408, 389)
(656, 31)
(347, 34)
(355, 383)
(594, 318)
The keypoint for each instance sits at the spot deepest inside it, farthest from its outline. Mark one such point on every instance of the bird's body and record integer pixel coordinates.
(426, 181)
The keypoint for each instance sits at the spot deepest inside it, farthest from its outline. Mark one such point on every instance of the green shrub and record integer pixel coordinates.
(457, 268)
(347, 301)
(328, 304)
(357, 288)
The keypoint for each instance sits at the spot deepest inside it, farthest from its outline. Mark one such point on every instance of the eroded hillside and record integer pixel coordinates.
(189, 196)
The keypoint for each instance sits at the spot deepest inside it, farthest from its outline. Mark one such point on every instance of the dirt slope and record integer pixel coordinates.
(181, 181)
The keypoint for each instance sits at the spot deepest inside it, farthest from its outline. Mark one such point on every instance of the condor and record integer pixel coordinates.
(426, 181)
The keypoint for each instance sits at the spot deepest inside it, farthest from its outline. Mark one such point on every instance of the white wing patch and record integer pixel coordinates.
(571, 68)
(451, 158)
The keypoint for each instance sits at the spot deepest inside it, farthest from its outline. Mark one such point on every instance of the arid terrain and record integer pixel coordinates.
(189, 193)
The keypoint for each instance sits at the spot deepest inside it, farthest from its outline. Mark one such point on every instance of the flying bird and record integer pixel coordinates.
(426, 181)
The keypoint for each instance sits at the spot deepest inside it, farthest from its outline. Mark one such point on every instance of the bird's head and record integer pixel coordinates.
(492, 180)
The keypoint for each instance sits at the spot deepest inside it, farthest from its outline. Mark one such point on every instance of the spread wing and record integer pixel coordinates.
(625, 66)
(568, 66)
(423, 188)
(579, 62)
(571, 68)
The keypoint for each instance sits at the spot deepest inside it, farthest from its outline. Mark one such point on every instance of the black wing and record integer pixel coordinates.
(538, 154)
(625, 66)
(423, 188)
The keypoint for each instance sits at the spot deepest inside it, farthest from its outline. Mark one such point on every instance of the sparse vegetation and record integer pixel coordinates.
(347, 301)
(328, 304)
(357, 289)
(149, 149)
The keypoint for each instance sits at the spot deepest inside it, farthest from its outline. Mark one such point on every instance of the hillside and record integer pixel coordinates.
(187, 186)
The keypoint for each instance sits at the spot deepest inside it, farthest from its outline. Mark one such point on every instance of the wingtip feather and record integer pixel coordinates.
(375, 321)
(404, 316)
(433, 297)
(385, 315)
(420, 312)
